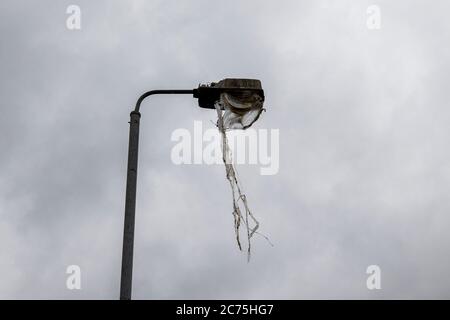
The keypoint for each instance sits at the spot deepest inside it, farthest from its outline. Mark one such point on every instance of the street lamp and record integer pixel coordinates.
(207, 96)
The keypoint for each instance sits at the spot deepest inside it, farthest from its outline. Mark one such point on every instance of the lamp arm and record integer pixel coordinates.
(152, 92)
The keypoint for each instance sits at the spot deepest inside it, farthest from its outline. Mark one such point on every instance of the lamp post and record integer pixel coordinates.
(207, 95)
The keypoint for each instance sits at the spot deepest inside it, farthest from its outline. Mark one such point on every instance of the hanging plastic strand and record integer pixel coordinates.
(237, 194)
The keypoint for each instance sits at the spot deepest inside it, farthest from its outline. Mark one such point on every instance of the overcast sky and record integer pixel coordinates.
(364, 173)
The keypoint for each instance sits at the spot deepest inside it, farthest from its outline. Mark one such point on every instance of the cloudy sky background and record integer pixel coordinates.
(364, 160)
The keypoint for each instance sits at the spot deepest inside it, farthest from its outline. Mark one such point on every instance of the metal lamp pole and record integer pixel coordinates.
(207, 95)
(130, 199)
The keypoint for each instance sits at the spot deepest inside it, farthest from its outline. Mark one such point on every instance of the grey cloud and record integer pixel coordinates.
(364, 169)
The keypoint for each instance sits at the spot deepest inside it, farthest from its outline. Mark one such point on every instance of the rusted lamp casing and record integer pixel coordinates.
(209, 94)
